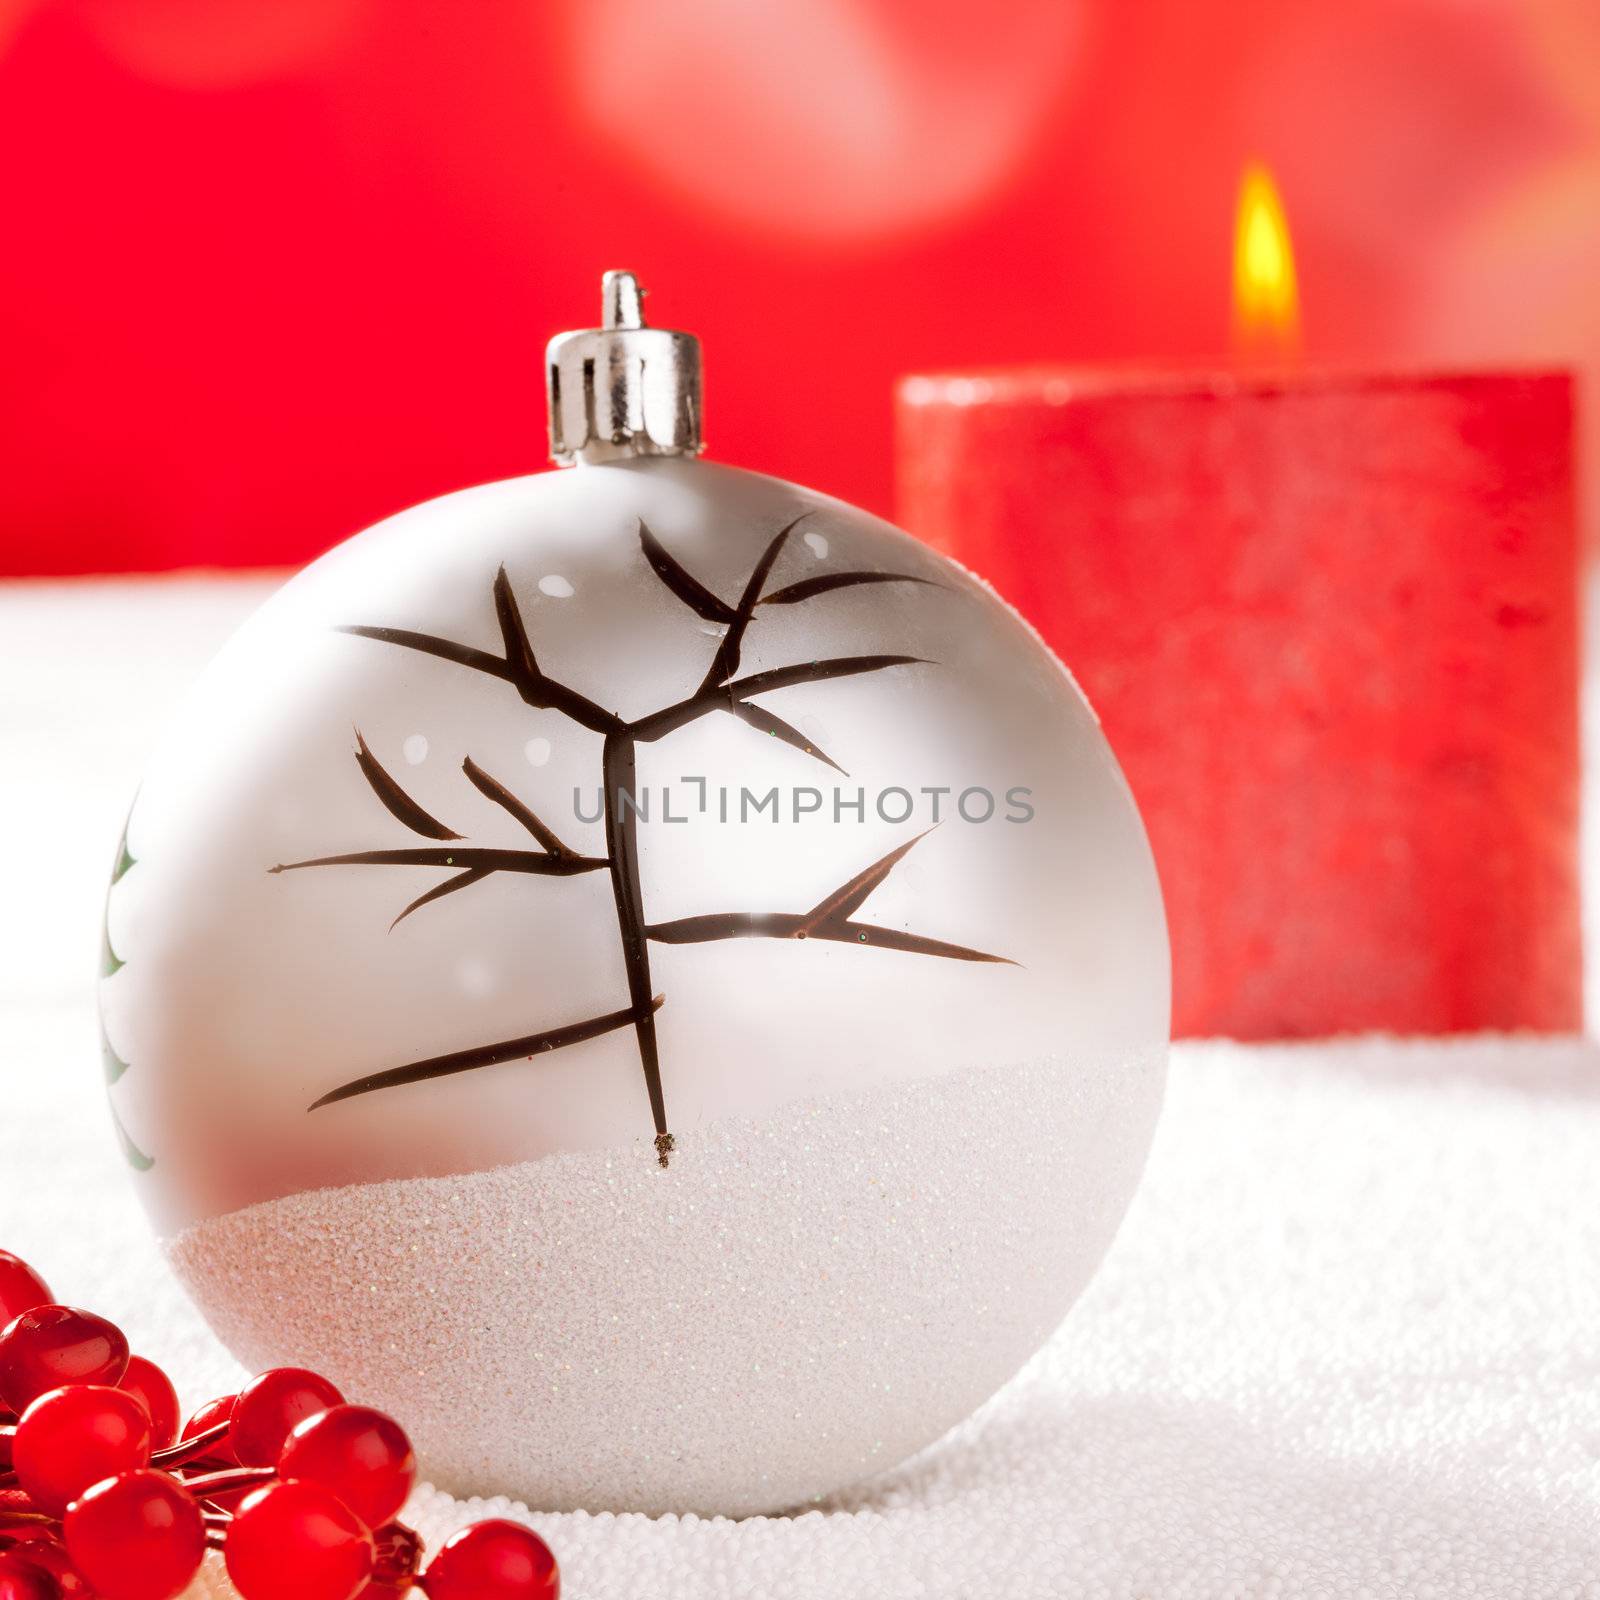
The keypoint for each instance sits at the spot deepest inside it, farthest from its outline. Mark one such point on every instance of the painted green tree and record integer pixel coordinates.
(110, 965)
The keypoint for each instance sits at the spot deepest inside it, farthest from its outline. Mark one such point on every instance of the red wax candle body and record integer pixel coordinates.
(1331, 627)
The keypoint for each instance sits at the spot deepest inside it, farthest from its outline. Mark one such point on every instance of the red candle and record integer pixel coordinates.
(1330, 624)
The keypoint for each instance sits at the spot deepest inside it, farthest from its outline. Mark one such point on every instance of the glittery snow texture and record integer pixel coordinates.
(799, 1302)
(1343, 1346)
(1343, 1349)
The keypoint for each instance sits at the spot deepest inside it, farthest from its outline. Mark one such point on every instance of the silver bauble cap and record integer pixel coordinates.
(623, 389)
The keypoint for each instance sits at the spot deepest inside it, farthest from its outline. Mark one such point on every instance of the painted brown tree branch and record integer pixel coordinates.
(720, 690)
(829, 919)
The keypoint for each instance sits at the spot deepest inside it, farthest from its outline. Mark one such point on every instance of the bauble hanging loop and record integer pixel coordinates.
(623, 390)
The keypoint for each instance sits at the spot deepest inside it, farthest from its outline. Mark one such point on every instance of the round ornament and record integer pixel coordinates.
(645, 971)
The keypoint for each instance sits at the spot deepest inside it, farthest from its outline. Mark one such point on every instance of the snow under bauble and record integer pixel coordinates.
(644, 971)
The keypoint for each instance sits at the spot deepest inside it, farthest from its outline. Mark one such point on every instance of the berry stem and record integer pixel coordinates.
(210, 1483)
(192, 1449)
(28, 1519)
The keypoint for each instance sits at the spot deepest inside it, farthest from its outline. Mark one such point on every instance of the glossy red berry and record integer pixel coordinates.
(52, 1345)
(20, 1581)
(51, 1558)
(151, 1385)
(270, 1406)
(360, 1454)
(21, 1288)
(205, 1419)
(296, 1541)
(138, 1536)
(71, 1438)
(219, 1456)
(493, 1560)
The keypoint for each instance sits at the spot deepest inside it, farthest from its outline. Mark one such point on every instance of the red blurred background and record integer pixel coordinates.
(269, 272)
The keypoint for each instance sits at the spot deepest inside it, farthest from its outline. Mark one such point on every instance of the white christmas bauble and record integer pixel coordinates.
(645, 972)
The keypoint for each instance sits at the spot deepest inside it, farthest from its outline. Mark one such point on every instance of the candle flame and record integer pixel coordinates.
(1266, 300)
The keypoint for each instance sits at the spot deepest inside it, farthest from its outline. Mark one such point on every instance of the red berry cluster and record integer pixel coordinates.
(102, 1498)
